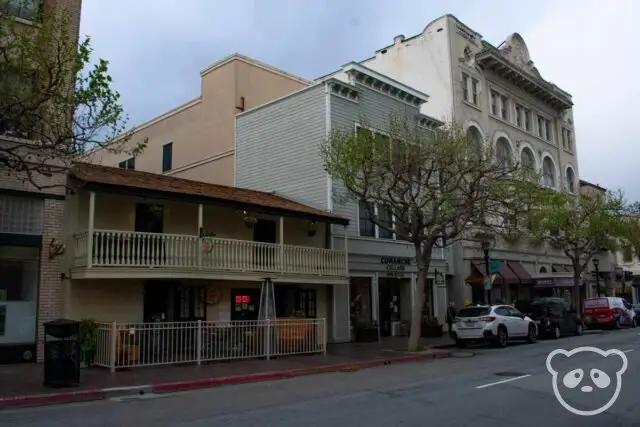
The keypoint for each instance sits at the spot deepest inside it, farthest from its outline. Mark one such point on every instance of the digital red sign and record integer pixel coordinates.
(242, 299)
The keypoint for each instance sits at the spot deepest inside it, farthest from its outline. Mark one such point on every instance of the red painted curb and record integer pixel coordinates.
(277, 375)
(99, 394)
(51, 398)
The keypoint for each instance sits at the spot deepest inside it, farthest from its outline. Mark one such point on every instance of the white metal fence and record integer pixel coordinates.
(128, 345)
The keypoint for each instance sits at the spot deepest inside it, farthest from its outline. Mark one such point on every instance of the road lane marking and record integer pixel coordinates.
(508, 380)
(628, 351)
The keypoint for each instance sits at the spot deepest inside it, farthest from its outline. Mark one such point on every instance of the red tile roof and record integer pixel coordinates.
(119, 177)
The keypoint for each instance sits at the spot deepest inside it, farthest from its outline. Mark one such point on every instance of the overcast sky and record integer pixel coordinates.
(588, 47)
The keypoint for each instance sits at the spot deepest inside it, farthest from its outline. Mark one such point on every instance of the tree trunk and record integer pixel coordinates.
(576, 297)
(422, 261)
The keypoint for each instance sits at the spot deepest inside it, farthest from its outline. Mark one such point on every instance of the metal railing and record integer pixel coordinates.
(158, 250)
(130, 345)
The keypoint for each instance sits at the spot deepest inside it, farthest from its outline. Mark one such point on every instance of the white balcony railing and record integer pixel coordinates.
(154, 250)
(130, 345)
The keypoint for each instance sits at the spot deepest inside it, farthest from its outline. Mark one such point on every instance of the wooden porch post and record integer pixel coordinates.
(200, 225)
(92, 212)
(282, 244)
(346, 250)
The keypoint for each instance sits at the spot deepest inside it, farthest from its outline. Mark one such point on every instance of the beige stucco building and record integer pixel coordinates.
(196, 140)
(154, 254)
(30, 230)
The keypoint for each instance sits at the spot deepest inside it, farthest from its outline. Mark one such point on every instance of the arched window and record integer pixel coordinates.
(548, 172)
(527, 161)
(543, 269)
(476, 137)
(570, 180)
(504, 155)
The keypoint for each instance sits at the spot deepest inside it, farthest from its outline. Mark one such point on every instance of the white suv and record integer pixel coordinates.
(496, 323)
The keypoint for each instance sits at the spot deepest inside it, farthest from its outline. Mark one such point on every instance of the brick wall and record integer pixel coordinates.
(50, 292)
(50, 283)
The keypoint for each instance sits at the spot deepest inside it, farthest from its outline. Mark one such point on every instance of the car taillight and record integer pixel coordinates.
(547, 321)
(487, 319)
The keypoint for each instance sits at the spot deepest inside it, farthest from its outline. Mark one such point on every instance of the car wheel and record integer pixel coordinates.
(579, 329)
(461, 343)
(502, 339)
(556, 333)
(532, 335)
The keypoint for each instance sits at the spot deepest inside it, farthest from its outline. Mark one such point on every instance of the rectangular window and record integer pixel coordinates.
(527, 120)
(25, 9)
(519, 115)
(504, 108)
(494, 103)
(385, 217)
(128, 164)
(548, 130)
(569, 140)
(564, 138)
(167, 157)
(367, 227)
(470, 88)
(474, 91)
(21, 215)
(542, 127)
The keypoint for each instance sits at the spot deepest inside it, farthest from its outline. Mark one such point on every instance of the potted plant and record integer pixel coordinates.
(366, 331)
(87, 339)
(431, 328)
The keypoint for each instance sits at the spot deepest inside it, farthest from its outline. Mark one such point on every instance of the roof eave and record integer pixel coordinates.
(91, 185)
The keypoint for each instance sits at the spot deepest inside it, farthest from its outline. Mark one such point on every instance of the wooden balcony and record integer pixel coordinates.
(115, 254)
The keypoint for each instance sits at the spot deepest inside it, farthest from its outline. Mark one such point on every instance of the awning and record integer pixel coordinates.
(506, 276)
(521, 272)
(557, 268)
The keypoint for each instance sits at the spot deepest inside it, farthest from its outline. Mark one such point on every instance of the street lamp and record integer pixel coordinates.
(596, 263)
(485, 248)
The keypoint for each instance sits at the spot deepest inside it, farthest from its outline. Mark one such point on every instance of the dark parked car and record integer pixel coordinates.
(554, 316)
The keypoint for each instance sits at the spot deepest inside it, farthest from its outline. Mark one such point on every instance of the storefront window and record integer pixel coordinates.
(21, 215)
(18, 294)
(360, 290)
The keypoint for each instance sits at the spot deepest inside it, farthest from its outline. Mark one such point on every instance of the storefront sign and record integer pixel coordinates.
(555, 281)
(395, 266)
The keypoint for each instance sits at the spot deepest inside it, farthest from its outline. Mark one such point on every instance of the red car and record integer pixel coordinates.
(608, 312)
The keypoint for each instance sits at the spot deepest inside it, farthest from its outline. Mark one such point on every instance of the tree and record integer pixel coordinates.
(581, 226)
(55, 103)
(437, 183)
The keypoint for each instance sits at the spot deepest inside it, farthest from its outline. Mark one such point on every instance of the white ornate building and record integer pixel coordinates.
(499, 96)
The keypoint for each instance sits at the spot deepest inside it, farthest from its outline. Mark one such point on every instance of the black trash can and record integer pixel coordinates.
(61, 353)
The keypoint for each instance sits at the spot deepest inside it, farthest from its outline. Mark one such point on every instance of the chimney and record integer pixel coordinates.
(398, 39)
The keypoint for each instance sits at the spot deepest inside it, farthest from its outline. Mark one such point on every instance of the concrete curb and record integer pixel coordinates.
(106, 393)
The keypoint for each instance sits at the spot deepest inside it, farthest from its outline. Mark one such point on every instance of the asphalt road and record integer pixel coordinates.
(509, 386)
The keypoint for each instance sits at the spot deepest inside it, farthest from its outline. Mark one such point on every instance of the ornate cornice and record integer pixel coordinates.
(344, 90)
(524, 75)
(385, 85)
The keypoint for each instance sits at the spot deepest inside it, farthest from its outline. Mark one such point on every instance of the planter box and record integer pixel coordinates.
(366, 334)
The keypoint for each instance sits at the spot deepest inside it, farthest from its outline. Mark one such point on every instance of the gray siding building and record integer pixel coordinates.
(278, 149)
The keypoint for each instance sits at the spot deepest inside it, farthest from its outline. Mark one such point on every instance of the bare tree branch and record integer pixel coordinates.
(55, 103)
(439, 185)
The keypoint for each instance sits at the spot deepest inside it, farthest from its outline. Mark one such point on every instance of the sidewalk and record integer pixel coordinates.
(21, 385)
